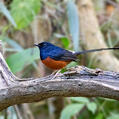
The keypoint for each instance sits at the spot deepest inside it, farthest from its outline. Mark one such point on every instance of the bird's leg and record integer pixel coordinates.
(55, 73)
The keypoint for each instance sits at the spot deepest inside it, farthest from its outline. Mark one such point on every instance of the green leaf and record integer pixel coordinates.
(71, 110)
(73, 21)
(13, 43)
(6, 12)
(65, 42)
(107, 99)
(1, 116)
(80, 99)
(113, 116)
(24, 11)
(72, 64)
(92, 107)
(117, 0)
(99, 116)
(19, 60)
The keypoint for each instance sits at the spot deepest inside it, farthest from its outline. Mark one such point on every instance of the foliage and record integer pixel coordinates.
(24, 11)
(71, 110)
(78, 103)
(21, 13)
(73, 20)
(113, 116)
(65, 42)
(6, 12)
(21, 59)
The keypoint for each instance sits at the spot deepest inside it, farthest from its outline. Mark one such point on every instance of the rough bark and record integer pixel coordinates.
(78, 81)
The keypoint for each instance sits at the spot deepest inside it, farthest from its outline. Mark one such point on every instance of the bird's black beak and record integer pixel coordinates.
(35, 44)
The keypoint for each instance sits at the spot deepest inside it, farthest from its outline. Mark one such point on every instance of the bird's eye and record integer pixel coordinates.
(44, 44)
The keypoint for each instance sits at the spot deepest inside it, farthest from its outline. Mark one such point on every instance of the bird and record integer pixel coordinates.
(56, 58)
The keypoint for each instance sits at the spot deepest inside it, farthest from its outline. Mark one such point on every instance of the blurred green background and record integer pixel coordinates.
(25, 22)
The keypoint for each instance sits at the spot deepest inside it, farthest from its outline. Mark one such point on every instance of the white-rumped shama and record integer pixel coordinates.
(56, 58)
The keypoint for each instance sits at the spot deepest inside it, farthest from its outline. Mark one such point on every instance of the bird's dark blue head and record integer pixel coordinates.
(43, 45)
(48, 50)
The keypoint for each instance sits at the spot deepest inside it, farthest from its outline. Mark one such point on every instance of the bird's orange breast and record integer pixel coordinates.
(54, 64)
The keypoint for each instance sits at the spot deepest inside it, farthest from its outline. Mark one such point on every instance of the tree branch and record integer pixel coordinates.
(78, 81)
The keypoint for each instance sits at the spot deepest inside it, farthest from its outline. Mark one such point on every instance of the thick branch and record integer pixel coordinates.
(78, 81)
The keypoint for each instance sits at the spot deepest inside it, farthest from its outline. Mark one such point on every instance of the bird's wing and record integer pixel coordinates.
(63, 55)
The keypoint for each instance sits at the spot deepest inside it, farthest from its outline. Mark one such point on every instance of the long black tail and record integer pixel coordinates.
(95, 50)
